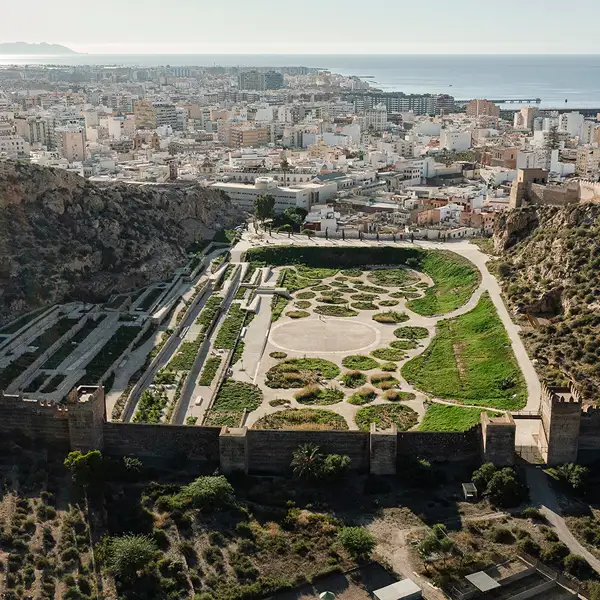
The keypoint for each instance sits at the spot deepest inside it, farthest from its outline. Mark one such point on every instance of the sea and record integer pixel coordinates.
(560, 81)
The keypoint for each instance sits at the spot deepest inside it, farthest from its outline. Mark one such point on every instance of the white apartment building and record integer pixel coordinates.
(166, 114)
(588, 163)
(301, 196)
(571, 123)
(121, 127)
(457, 141)
(375, 118)
(35, 130)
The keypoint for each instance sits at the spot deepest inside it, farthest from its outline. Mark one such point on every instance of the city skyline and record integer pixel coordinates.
(189, 28)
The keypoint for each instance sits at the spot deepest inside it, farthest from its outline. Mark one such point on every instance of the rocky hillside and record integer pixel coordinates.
(550, 268)
(62, 237)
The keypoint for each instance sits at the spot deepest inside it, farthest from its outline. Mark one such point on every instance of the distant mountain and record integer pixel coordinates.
(39, 49)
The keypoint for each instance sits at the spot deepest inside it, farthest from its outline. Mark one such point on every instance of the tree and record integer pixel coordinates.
(335, 466)
(504, 489)
(577, 565)
(307, 461)
(264, 205)
(85, 468)
(574, 475)
(482, 476)
(127, 555)
(357, 541)
(284, 165)
(436, 542)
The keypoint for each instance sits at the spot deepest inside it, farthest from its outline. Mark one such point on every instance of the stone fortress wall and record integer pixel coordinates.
(81, 424)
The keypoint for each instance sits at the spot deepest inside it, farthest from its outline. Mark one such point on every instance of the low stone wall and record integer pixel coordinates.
(199, 444)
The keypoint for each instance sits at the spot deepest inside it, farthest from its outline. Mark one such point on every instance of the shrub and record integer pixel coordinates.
(528, 546)
(403, 344)
(305, 295)
(313, 394)
(336, 311)
(577, 566)
(299, 372)
(211, 366)
(304, 419)
(359, 362)
(533, 513)
(389, 366)
(279, 402)
(396, 396)
(391, 317)
(128, 554)
(411, 333)
(278, 355)
(388, 354)
(297, 314)
(575, 476)
(357, 541)
(354, 379)
(363, 396)
(502, 535)
(554, 552)
(209, 492)
(364, 306)
(303, 304)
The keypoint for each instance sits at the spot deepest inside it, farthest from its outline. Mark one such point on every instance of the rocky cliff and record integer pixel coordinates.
(550, 268)
(62, 237)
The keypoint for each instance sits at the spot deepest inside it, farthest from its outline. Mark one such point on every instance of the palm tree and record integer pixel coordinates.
(307, 461)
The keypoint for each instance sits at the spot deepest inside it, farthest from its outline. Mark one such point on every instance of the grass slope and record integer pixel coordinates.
(441, 417)
(470, 360)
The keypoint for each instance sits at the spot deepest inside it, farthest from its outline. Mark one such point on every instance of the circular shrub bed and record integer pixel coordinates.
(321, 287)
(411, 333)
(369, 289)
(332, 299)
(305, 295)
(303, 303)
(335, 311)
(388, 354)
(300, 372)
(297, 314)
(396, 396)
(363, 396)
(362, 297)
(365, 306)
(354, 379)
(302, 418)
(383, 381)
(389, 366)
(404, 344)
(385, 415)
(412, 295)
(278, 355)
(388, 302)
(391, 277)
(391, 317)
(359, 362)
(313, 394)
(279, 402)
(354, 273)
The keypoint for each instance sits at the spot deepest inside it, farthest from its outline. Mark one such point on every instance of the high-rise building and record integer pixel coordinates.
(166, 114)
(273, 80)
(35, 130)
(251, 80)
(145, 115)
(524, 118)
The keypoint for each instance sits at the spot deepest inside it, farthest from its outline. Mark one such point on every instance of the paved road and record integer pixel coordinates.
(543, 496)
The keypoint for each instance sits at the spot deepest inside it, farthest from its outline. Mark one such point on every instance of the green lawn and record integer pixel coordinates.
(441, 417)
(470, 360)
(455, 280)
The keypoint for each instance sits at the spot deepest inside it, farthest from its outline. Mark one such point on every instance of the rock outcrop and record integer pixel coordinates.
(63, 237)
(550, 268)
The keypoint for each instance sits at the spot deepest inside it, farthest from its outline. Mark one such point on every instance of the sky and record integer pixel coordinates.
(308, 27)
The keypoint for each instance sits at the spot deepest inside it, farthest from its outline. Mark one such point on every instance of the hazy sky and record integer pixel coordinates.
(308, 26)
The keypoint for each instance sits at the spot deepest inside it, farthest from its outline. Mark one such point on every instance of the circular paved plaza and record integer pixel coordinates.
(326, 336)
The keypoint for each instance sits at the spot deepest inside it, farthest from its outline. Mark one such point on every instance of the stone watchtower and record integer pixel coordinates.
(87, 415)
(560, 424)
(498, 443)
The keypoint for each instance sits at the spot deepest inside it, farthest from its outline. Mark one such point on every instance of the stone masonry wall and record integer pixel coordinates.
(270, 451)
(440, 445)
(200, 444)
